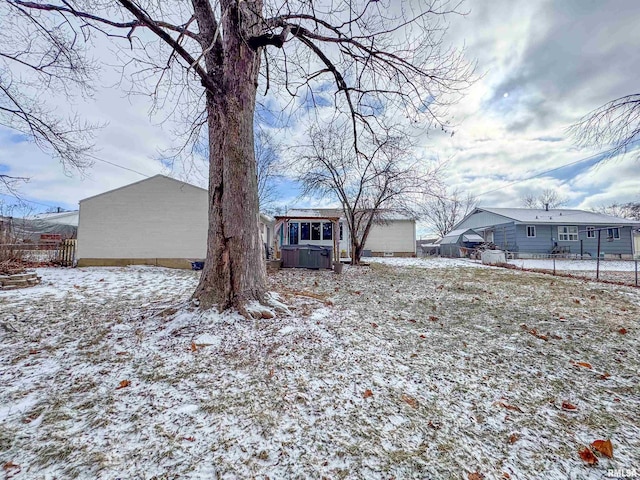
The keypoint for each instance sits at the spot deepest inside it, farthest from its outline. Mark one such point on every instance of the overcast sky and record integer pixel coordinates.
(543, 66)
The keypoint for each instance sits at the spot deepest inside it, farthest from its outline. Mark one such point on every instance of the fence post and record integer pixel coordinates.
(636, 273)
(554, 265)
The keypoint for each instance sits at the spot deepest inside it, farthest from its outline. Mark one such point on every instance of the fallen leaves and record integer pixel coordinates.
(412, 402)
(582, 364)
(123, 384)
(622, 331)
(568, 406)
(587, 456)
(535, 333)
(475, 476)
(605, 447)
(10, 466)
(433, 318)
(513, 438)
(508, 407)
(367, 393)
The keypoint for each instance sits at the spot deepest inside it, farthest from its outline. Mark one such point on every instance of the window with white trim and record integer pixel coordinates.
(531, 230)
(591, 232)
(613, 233)
(568, 234)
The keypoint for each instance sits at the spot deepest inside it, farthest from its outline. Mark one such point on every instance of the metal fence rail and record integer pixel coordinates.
(609, 270)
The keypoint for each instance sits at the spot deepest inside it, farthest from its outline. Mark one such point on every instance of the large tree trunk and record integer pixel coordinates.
(234, 271)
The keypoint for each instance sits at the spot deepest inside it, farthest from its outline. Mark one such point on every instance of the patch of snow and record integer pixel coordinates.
(461, 379)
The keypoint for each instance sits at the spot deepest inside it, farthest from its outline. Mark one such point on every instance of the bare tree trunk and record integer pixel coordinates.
(234, 271)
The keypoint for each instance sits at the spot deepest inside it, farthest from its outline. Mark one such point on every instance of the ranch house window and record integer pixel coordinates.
(341, 234)
(305, 232)
(613, 233)
(568, 234)
(315, 231)
(591, 232)
(293, 233)
(531, 230)
(327, 231)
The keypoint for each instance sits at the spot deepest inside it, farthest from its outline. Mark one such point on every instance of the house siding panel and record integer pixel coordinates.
(155, 218)
(504, 236)
(542, 242)
(481, 219)
(397, 236)
(547, 236)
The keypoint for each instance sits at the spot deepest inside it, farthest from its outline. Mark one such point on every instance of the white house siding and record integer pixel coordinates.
(394, 236)
(156, 221)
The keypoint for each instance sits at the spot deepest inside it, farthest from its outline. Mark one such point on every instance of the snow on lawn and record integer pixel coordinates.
(383, 371)
(573, 265)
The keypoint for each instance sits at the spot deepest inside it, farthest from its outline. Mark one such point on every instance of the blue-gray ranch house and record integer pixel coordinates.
(540, 231)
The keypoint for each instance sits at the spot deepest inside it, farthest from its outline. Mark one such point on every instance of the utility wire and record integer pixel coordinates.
(540, 174)
(116, 165)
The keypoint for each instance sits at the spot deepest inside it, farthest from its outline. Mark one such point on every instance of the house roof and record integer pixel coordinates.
(338, 213)
(57, 218)
(453, 236)
(155, 177)
(558, 216)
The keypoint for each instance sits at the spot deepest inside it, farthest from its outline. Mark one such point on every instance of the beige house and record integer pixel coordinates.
(157, 221)
(395, 236)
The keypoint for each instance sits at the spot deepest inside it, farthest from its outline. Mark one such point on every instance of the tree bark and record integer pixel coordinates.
(234, 270)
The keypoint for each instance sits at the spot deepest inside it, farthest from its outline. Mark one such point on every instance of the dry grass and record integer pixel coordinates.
(444, 352)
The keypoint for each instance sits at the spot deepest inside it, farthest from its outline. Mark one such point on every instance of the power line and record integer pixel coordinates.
(117, 165)
(540, 174)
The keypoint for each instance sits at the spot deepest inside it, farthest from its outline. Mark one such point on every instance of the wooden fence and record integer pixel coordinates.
(66, 252)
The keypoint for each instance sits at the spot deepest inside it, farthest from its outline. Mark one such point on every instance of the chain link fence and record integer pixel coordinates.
(608, 270)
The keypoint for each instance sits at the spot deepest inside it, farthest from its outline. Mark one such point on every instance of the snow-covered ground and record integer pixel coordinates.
(575, 265)
(384, 371)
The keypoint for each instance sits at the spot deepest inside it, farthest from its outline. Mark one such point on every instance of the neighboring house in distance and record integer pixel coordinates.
(393, 236)
(541, 231)
(157, 221)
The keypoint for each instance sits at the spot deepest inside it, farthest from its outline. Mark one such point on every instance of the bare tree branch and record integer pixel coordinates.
(613, 127)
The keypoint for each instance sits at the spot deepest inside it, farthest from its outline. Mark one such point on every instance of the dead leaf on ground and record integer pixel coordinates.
(475, 476)
(535, 333)
(374, 324)
(10, 466)
(582, 364)
(576, 301)
(412, 402)
(587, 456)
(605, 376)
(568, 406)
(123, 384)
(194, 347)
(604, 447)
(622, 331)
(433, 318)
(33, 351)
(367, 393)
(509, 407)
(505, 475)
(189, 439)
(513, 438)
